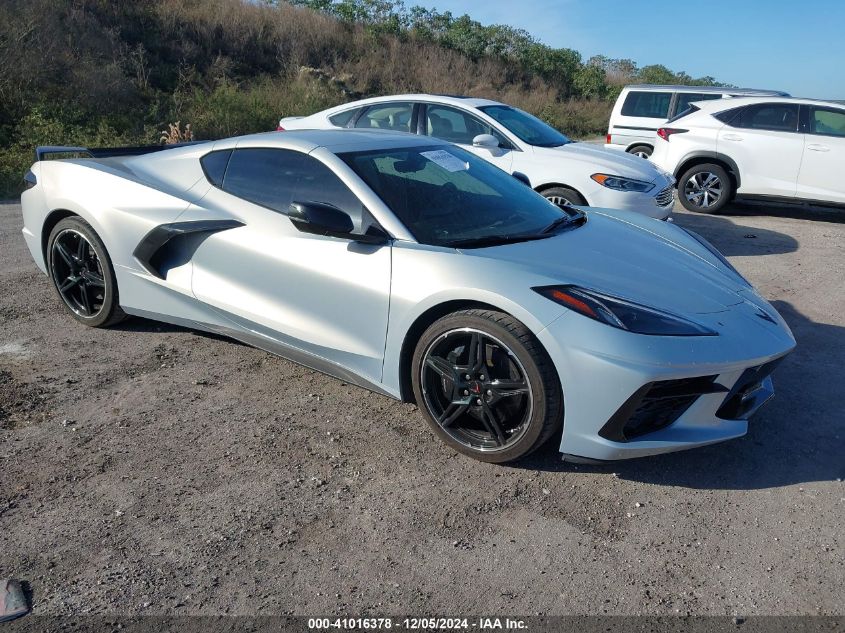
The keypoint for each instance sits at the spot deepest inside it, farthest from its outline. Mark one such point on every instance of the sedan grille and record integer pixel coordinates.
(665, 198)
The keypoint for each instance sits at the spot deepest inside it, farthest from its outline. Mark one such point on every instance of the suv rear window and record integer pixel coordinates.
(652, 105)
(686, 98)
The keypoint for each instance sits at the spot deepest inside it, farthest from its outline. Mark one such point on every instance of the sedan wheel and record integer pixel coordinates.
(486, 386)
(563, 197)
(82, 273)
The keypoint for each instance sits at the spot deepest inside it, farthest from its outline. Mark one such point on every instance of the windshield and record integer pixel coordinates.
(525, 126)
(449, 197)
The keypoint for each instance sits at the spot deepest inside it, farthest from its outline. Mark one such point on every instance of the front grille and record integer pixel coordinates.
(743, 397)
(665, 198)
(657, 405)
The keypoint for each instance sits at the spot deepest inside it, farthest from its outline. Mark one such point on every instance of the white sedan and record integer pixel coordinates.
(563, 171)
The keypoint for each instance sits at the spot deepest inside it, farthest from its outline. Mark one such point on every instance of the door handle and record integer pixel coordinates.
(815, 147)
(732, 137)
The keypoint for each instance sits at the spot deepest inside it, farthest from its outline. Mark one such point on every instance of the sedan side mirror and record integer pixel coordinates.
(485, 140)
(320, 219)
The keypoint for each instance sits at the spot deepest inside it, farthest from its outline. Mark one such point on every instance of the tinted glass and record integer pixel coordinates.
(826, 121)
(387, 116)
(526, 127)
(446, 194)
(778, 117)
(652, 105)
(686, 98)
(457, 126)
(342, 119)
(276, 177)
(214, 166)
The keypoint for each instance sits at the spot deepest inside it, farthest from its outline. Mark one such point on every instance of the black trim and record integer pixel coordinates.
(678, 395)
(748, 393)
(150, 250)
(793, 200)
(713, 155)
(42, 152)
(635, 127)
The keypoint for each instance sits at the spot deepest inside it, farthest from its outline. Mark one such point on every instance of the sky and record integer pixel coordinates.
(795, 45)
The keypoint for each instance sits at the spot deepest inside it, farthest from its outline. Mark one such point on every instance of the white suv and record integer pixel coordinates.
(782, 148)
(563, 171)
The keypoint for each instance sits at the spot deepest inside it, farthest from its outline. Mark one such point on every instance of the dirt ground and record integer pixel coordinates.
(149, 469)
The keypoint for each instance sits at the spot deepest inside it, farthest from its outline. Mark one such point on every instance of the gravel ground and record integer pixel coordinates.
(149, 469)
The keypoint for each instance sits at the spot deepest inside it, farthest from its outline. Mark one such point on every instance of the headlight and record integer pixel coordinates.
(716, 254)
(621, 313)
(622, 184)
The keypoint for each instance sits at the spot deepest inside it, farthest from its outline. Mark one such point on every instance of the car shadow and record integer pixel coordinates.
(797, 438)
(148, 326)
(793, 210)
(733, 239)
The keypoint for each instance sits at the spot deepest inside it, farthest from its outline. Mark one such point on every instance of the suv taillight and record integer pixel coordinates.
(280, 129)
(666, 132)
(607, 140)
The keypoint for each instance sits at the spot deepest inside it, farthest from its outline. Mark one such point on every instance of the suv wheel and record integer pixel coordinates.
(643, 151)
(705, 188)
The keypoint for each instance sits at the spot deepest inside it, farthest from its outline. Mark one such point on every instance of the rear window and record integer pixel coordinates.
(342, 119)
(652, 105)
(689, 110)
(214, 166)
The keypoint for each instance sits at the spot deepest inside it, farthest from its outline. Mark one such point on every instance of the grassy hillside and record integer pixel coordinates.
(100, 73)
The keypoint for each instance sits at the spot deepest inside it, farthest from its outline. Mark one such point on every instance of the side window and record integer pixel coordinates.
(457, 126)
(686, 98)
(776, 117)
(387, 116)
(264, 176)
(342, 119)
(214, 166)
(652, 105)
(274, 178)
(827, 122)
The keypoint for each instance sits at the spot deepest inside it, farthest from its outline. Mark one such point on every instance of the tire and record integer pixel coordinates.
(512, 402)
(643, 151)
(563, 196)
(82, 273)
(695, 194)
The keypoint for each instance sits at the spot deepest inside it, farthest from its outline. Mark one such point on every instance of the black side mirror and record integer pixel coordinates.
(320, 218)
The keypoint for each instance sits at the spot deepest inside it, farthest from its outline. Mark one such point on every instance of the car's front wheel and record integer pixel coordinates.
(82, 273)
(563, 197)
(705, 188)
(486, 385)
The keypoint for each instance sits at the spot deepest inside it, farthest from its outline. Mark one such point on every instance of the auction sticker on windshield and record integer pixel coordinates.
(447, 161)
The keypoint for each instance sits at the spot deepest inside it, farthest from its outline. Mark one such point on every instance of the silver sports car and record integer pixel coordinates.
(413, 268)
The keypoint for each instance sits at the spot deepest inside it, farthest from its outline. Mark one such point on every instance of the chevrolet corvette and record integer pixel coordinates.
(415, 269)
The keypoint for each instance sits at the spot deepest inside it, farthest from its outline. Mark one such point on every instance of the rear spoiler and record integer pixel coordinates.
(44, 151)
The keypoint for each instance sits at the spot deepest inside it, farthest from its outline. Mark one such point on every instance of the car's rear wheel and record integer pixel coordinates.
(643, 151)
(82, 273)
(486, 386)
(705, 188)
(563, 197)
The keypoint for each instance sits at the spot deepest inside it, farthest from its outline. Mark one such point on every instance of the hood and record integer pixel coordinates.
(651, 263)
(608, 161)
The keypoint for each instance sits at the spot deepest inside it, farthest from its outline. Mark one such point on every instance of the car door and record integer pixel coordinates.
(821, 175)
(460, 127)
(764, 142)
(325, 296)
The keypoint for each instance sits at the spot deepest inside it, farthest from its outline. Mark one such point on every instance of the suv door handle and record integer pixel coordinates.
(815, 147)
(732, 137)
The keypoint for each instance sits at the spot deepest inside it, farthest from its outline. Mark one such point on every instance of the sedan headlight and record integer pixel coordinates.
(621, 313)
(622, 184)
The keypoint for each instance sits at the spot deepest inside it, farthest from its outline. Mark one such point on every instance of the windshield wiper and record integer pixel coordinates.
(572, 216)
(492, 240)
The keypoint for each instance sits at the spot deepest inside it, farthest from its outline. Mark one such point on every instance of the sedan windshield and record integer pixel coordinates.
(525, 126)
(449, 197)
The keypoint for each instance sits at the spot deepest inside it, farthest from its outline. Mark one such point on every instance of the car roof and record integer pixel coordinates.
(736, 102)
(335, 140)
(456, 100)
(706, 89)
